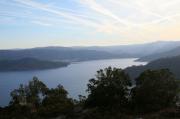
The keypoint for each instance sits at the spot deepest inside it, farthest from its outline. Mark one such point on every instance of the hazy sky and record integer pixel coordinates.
(32, 23)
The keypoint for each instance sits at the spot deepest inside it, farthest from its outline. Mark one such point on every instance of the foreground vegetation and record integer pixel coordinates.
(111, 95)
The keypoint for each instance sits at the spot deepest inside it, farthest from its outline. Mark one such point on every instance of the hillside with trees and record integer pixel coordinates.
(172, 63)
(29, 64)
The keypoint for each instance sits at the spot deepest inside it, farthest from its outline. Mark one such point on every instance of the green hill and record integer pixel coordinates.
(172, 63)
(29, 64)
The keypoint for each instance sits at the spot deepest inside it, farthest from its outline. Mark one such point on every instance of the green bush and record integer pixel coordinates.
(155, 90)
(109, 89)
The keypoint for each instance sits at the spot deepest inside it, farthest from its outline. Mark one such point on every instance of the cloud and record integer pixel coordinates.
(100, 9)
(41, 23)
(11, 18)
(46, 8)
(142, 10)
(133, 20)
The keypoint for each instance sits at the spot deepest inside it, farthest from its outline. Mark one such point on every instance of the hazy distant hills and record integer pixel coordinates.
(57, 53)
(148, 52)
(172, 63)
(29, 64)
(138, 50)
(170, 53)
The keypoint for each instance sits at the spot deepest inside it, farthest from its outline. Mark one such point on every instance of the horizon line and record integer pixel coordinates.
(84, 46)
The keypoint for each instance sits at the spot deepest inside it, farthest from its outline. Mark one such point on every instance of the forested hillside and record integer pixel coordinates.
(173, 64)
(29, 64)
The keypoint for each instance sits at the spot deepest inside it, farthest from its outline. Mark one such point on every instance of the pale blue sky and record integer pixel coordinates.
(36, 23)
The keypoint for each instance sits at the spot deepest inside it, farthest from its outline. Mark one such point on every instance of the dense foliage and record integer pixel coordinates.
(109, 90)
(110, 96)
(155, 90)
(31, 94)
(56, 103)
(35, 100)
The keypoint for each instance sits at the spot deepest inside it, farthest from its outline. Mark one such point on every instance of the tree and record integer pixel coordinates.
(19, 95)
(155, 90)
(109, 89)
(26, 100)
(36, 92)
(36, 99)
(56, 103)
(29, 95)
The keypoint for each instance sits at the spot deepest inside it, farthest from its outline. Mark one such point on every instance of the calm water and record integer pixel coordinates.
(74, 77)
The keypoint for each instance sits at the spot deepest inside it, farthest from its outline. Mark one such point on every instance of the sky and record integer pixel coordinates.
(38, 23)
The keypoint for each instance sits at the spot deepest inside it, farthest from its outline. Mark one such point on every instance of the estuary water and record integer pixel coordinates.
(74, 77)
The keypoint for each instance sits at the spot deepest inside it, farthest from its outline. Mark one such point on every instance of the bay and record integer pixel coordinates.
(74, 77)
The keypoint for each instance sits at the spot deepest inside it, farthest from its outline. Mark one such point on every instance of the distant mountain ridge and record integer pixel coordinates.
(138, 50)
(56, 53)
(72, 54)
(170, 53)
